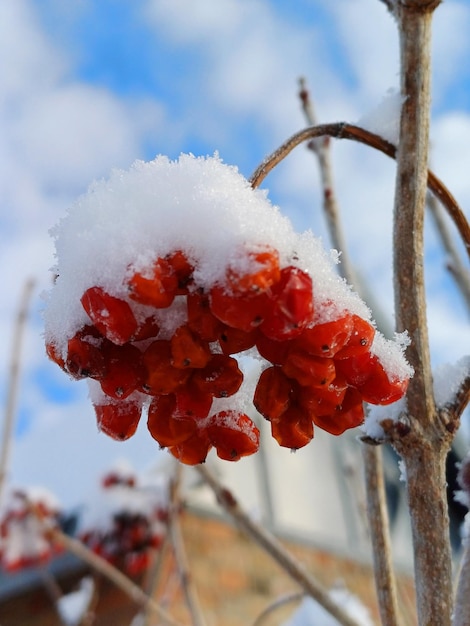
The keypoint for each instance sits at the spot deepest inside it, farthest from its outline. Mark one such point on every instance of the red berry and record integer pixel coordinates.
(293, 429)
(221, 377)
(201, 319)
(233, 434)
(274, 351)
(112, 316)
(239, 311)
(291, 309)
(349, 415)
(322, 400)
(327, 338)
(378, 388)
(147, 329)
(164, 426)
(54, 354)
(155, 286)
(183, 270)
(160, 375)
(308, 370)
(234, 340)
(273, 393)
(85, 354)
(119, 420)
(188, 350)
(124, 370)
(361, 338)
(194, 450)
(192, 402)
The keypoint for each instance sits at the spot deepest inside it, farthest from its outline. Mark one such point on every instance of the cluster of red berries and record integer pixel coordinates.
(320, 373)
(25, 539)
(127, 538)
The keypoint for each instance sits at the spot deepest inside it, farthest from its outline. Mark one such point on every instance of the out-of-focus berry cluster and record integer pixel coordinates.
(132, 523)
(319, 373)
(25, 530)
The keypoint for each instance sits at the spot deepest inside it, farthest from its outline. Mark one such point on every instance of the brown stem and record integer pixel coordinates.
(425, 448)
(342, 130)
(13, 383)
(189, 591)
(268, 542)
(385, 583)
(277, 604)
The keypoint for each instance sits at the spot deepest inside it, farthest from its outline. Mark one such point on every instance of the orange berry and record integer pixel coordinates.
(263, 273)
(156, 286)
(183, 270)
(124, 370)
(53, 353)
(85, 357)
(274, 351)
(322, 400)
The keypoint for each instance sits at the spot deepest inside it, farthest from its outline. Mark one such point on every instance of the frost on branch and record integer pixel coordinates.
(26, 520)
(169, 275)
(127, 520)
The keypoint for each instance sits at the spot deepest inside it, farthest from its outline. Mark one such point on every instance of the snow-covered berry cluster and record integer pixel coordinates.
(184, 270)
(27, 520)
(128, 521)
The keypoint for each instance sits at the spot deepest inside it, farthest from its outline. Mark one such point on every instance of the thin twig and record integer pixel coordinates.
(276, 550)
(189, 591)
(342, 130)
(277, 604)
(113, 574)
(385, 581)
(454, 264)
(13, 382)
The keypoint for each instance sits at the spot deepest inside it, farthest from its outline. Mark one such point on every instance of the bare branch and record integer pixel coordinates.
(113, 574)
(174, 527)
(277, 604)
(13, 383)
(268, 542)
(342, 130)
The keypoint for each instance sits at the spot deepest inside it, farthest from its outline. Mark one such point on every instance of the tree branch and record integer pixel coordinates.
(268, 542)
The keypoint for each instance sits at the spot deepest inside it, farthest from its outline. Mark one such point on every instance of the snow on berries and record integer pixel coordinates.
(128, 519)
(170, 275)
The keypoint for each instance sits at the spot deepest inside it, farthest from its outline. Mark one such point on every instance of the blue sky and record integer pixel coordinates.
(93, 85)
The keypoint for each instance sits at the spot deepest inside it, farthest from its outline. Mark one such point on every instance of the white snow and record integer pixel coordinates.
(198, 205)
(384, 119)
(448, 379)
(310, 613)
(73, 606)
